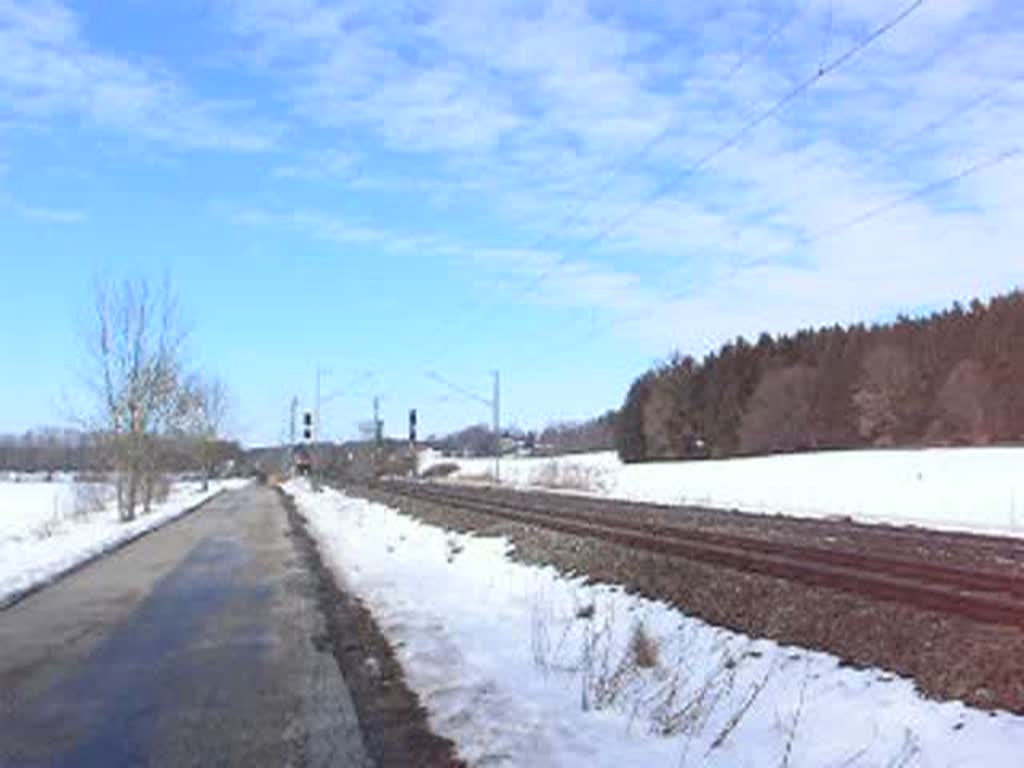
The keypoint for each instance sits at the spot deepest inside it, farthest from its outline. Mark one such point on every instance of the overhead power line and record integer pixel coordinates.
(920, 192)
(907, 143)
(829, 232)
(740, 134)
(736, 137)
(458, 389)
(731, 141)
(773, 34)
(576, 212)
(757, 120)
(651, 144)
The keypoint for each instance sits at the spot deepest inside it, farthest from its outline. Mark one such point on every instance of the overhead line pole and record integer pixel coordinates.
(317, 432)
(294, 413)
(496, 410)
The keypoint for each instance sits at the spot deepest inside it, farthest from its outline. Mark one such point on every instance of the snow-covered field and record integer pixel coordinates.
(46, 528)
(521, 666)
(980, 489)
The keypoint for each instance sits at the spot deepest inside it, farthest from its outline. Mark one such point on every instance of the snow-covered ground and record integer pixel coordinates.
(980, 489)
(46, 528)
(519, 665)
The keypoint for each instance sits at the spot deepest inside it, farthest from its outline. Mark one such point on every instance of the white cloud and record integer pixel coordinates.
(52, 215)
(543, 107)
(49, 71)
(335, 228)
(323, 164)
(560, 283)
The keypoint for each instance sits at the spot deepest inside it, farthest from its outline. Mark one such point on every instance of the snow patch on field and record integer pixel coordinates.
(520, 665)
(47, 528)
(971, 489)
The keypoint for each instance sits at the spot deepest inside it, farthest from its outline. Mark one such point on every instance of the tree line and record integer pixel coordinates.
(51, 450)
(597, 434)
(951, 378)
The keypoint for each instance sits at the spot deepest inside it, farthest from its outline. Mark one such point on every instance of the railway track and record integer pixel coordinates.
(898, 540)
(986, 596)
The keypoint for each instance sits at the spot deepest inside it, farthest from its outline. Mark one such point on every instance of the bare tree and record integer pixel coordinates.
(203, 413)
(658, 421)
(778, 417)
(961, 404)
(882, 397)
(134, 348)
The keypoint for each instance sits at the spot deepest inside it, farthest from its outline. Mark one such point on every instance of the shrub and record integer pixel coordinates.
(643, 648)
(568, 476)
(444, 469)
(89, 497)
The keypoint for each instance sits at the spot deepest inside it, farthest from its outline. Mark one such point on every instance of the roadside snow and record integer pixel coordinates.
(974, 489)
(519, 665)
(46, 528)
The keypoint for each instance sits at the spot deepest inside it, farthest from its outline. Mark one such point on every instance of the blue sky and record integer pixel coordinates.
(389, 188)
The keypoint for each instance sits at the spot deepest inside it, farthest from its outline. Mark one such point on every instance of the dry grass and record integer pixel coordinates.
(661, 687)
(89, 497)
(47, 528)
(567, 476)
(643, 648)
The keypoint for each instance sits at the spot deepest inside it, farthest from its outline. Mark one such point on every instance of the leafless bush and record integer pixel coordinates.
(600, 683)
(568, 476)
(158, 487)
(47, 528)
(657, 681)
(643, 648)
(444, 469)
(609, 670)
(683, 708)
(540, 639)
(733, 721)
(89, 497)
(201, 415)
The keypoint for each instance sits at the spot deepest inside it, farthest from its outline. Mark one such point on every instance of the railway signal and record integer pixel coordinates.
(412, 425)
(307, 426)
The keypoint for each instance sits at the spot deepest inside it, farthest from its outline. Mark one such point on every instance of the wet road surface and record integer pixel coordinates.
(196, 645)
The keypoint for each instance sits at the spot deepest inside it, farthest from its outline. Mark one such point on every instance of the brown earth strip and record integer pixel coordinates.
(394, 723)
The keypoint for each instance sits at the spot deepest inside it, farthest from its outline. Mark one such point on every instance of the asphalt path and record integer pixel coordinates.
(199, 644)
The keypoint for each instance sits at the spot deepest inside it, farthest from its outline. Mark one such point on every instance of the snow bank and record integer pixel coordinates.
(47, 528)
(521, 666)
(976, 489)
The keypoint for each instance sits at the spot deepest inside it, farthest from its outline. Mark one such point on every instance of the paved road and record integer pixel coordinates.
(196, 645)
